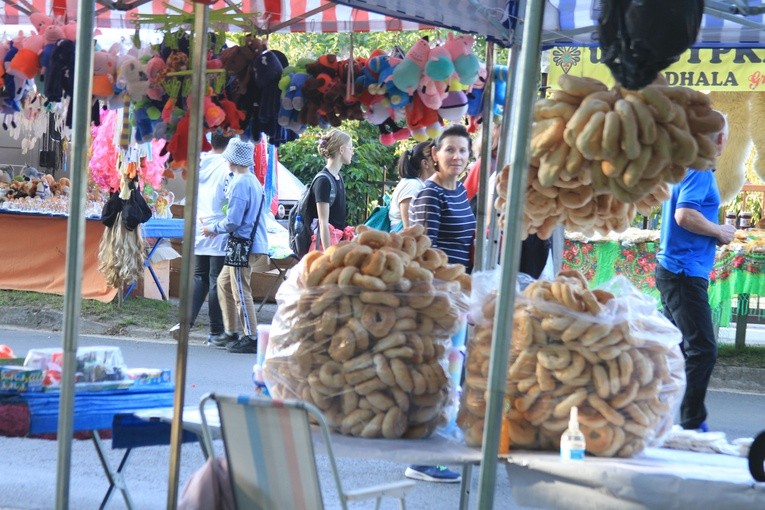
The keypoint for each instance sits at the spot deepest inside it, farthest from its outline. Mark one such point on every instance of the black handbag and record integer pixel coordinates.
(238, 248)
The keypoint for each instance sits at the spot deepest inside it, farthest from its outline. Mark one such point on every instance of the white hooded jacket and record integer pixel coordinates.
(214, 176)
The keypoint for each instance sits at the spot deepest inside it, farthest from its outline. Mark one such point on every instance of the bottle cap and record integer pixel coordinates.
(573, 419)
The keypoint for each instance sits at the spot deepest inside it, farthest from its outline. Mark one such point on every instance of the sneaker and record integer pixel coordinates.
(440, 474)
(176, 331)
(222, 339)
(246, 344)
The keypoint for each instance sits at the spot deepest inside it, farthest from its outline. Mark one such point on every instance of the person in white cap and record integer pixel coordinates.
(245, 200)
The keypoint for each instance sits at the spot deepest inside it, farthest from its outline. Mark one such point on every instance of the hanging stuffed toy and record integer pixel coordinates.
(466, 63)
(407, 74)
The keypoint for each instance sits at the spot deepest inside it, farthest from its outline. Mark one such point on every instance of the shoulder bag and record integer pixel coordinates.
(238, 248)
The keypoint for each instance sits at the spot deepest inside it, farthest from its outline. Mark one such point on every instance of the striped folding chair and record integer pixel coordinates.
(271, 458)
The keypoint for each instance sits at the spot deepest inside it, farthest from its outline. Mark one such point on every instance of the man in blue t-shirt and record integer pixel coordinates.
(689, 236)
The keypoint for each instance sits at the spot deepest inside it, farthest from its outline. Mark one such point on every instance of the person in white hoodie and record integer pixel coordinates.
(214, 177)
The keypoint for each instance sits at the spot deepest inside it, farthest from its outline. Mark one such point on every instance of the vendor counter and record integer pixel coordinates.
(34, 255)
(657, 479)
(739, 269)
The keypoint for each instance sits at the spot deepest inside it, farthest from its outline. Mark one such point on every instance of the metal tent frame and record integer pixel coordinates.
(525, 35)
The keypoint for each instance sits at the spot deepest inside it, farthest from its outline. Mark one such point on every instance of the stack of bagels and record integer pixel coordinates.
(598, 155)
(612, 357)
(365, 334)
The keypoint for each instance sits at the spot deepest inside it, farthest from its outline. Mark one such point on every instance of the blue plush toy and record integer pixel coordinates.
(293, 99)
(384, 67)
(500, 88)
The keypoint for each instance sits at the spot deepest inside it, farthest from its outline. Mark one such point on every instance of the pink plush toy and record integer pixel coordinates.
(432, 92)
(104, 72)
(40, 21)
(154, 70)
(70, 31)
(466, 63)
(407, 74)
(440, 66)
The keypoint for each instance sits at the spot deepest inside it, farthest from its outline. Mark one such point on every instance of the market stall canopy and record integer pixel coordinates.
(267, 15)
(728, 23)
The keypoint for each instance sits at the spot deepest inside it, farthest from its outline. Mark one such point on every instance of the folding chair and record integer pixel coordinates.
(271, 458)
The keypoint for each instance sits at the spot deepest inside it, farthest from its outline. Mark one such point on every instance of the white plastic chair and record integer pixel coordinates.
(271, 458)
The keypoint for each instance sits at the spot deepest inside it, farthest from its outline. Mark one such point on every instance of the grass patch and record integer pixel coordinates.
(135, 311)
(749, 356)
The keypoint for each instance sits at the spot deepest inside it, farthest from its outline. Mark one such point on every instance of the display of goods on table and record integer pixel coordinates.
(35, 192)
(98, 368)
(607, 351)
(362, 331)
(750, 241)
(600, 155)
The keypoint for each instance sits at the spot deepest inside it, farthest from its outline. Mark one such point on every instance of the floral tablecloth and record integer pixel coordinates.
(735, 272)
(601, 261)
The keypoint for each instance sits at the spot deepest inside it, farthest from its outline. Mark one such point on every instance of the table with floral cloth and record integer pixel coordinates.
(739, 268)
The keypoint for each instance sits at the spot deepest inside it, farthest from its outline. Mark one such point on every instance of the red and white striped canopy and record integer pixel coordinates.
(269, 15)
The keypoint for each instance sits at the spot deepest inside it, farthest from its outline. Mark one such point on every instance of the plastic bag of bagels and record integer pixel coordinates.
(609, 352)
(362, 331)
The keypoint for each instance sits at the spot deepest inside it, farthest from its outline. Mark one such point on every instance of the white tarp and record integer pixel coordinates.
(289, 186)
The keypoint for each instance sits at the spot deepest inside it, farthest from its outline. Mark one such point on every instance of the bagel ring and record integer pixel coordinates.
(331, 374)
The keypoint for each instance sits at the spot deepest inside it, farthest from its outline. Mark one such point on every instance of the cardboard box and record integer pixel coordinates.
(162, 270)
(149, 376)
(19, 378)
(260, 283)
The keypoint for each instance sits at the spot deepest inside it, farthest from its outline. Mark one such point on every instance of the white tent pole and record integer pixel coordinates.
(523, 95)
(75, 242)
(196, 112)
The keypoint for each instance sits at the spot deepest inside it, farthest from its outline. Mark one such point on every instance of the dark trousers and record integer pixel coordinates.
(206, 271)
(686, 303)
(534, 253)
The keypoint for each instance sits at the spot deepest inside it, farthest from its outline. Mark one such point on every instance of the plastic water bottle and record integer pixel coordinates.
(298, 224)
(572, 444)
(257, 379)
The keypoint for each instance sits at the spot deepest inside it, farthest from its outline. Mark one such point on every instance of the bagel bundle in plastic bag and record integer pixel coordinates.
(362, 331)
(607, 351)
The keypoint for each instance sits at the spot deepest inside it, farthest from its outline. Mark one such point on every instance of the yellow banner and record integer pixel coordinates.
(717, 69)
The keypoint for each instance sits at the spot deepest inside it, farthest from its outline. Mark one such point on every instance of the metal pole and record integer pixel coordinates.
(486, 143)
(512, 72)
(196, 112)
(75, 242)
(524, 94)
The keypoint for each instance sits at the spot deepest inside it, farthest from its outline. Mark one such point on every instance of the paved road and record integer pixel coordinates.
(28, 466)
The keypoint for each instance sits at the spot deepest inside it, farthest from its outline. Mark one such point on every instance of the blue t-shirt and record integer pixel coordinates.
(448, 220)
(680, 250)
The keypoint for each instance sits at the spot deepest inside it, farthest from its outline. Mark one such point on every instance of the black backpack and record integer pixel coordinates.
(300, 238)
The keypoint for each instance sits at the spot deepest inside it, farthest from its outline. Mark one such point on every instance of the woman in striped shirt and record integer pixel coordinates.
(442, 206)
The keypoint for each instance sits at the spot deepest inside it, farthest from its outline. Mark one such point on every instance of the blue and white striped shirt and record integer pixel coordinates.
(448, 220)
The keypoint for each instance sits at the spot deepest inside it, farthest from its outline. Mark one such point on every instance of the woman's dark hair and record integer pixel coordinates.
(454, 130)
(410, 160)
